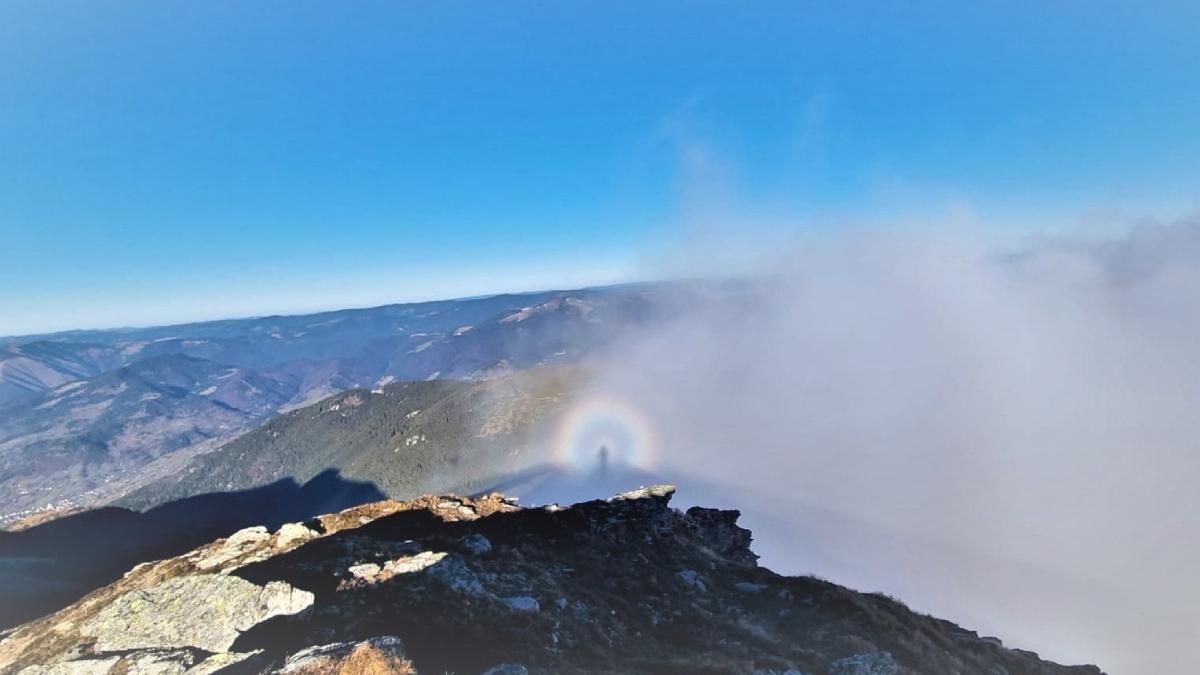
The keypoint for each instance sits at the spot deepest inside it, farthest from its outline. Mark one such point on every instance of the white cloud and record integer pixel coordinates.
(1003, 438)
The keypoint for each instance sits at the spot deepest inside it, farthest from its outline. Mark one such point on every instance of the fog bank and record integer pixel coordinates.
(1005, 438)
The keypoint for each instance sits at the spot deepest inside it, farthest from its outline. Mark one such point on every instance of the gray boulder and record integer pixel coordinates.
(476, 544)
(523, 603)
(98, 666)
(317, 658)
(691, 578)
(507, 669)
(206, 611)
(750, 588)
(874, 663)
(292, 533)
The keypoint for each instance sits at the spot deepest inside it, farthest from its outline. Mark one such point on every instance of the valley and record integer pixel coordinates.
(87, 417)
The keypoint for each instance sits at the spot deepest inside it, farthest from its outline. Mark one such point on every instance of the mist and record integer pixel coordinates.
(1005, 437)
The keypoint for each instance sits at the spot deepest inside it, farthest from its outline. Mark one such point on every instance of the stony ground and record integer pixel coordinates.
(457, 585)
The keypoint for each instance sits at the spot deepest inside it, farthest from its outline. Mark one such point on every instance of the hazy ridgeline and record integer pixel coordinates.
(1004, 438)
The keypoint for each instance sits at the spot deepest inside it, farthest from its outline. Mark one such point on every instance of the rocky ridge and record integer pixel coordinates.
(481, 585)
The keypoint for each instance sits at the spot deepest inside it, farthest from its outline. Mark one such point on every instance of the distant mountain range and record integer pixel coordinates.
(88, 416)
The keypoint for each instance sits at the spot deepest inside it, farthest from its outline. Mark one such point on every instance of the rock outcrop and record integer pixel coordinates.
(201, 611)
(454, 584)
(376, 655)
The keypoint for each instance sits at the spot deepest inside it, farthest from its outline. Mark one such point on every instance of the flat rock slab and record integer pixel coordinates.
(205, 611)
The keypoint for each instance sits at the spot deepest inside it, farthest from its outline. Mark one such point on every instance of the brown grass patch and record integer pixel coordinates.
(363, 660)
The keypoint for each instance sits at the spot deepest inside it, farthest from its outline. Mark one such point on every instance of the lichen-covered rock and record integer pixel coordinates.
(523, 603)
(749, 587)
(720, 532)
(657, 492)
(365, 571)
(375, 573)
(875, 663)
(374, 656)
(455, 575)
(146, 662)
(98, 666)
(153, 662)
(291, 534)
(204, 611)
(507, 669)
(691, 578)
(56, 643)
(476, 544)
(219, 662)
(240, 544)
(412, 563)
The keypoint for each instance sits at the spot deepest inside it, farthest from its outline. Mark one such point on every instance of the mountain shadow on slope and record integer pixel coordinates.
(49, 566)
(409, 438)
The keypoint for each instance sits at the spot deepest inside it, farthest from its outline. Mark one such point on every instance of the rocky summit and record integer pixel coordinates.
(482, 586)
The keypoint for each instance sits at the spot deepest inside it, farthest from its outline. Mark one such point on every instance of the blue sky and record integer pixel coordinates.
(165, 161)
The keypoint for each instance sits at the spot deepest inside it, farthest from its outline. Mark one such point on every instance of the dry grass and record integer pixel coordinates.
(41, 518)
(363, 660)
